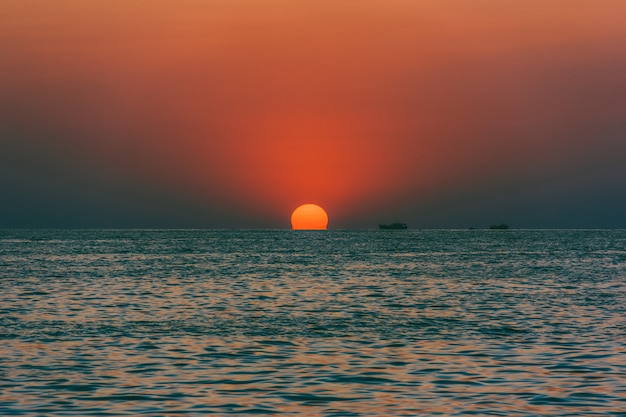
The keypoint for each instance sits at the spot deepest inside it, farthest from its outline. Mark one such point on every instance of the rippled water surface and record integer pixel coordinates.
(337, 323)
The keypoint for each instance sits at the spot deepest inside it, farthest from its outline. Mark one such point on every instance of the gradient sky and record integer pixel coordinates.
(231, 113)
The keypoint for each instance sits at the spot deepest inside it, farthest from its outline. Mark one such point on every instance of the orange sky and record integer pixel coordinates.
(232, 113)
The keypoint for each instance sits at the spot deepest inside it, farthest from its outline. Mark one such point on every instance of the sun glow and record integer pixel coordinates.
(309, 217)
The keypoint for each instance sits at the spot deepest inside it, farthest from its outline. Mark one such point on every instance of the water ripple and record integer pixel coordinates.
(520, 323)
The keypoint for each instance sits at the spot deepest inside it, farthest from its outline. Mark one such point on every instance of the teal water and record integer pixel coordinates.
(336, 323)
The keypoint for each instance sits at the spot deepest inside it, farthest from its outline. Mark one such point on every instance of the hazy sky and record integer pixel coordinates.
(231, 113)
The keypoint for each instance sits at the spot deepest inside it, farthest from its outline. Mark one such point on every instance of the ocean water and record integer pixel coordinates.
(335, 323)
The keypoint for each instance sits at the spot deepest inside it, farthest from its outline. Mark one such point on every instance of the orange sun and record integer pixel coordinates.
(309, 217)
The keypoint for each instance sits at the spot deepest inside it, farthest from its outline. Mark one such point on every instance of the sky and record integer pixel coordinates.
(231, 113)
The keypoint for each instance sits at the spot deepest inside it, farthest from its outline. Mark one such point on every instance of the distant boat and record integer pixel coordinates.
(500, 226)
(393, 226)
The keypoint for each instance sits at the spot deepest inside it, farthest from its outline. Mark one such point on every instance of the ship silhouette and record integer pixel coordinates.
(393, 226)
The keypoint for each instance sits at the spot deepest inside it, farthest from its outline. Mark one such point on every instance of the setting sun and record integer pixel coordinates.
(309, 217)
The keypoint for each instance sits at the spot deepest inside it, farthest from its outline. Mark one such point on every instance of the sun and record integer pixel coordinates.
(309, 217)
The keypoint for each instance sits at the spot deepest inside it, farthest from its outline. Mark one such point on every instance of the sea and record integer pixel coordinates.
(313, 323)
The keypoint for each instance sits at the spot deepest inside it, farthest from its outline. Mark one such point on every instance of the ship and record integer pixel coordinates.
(393, 226)
(500, 226)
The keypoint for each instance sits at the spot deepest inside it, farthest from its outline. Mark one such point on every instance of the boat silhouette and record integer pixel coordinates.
(500, 226)
(393, 226)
